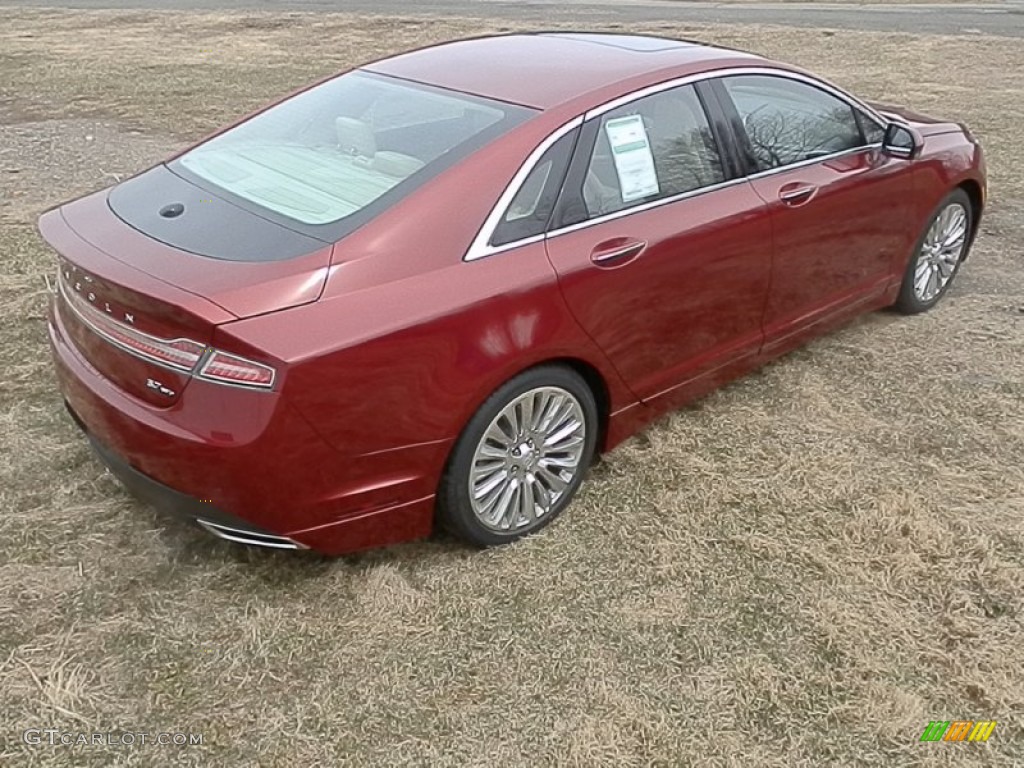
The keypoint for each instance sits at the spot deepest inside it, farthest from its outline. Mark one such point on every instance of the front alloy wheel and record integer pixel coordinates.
(521, 457)
(939, 254)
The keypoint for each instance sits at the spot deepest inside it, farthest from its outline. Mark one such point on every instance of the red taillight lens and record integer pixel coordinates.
(232, 369)
(177, 353)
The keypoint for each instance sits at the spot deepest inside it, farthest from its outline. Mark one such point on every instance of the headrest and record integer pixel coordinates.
(355, 137)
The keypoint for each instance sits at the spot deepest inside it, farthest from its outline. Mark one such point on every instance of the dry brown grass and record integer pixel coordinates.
(802, 570)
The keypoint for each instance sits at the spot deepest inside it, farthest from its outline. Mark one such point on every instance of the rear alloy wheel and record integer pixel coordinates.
(521, 458)
(938, 256)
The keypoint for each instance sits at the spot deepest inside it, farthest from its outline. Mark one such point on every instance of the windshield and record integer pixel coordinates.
(345, 149)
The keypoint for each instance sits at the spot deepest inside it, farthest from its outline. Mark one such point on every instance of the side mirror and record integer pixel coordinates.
(901, 141)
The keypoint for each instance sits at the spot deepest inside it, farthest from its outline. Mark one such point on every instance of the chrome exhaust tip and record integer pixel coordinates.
(253, 538)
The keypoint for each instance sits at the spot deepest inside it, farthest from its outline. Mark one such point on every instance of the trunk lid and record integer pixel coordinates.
(141, 311)
(110, 311)
(201, 249)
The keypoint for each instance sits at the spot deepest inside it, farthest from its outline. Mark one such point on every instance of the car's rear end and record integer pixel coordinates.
(181, 411)
(158, 276)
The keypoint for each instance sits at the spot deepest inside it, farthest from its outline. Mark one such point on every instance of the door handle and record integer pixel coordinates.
(797, 194)
(617, 251)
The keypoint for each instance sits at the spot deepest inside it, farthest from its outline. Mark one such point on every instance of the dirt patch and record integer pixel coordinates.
(41, 160)
(803, 569)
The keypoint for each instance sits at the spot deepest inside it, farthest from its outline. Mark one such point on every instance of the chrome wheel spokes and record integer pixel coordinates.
(940, 252)
(528, 457)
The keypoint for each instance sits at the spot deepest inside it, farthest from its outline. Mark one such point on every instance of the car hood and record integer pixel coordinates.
(231, 257)
(926, 125)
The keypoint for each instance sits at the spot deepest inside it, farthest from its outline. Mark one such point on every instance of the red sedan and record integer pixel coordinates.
(429, 290)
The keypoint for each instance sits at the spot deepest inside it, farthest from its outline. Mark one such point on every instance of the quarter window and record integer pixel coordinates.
(528, 213)
(649, 149)
(788, 121)
(872, 131)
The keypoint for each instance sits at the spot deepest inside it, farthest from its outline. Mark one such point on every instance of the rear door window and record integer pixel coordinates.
(656, 147)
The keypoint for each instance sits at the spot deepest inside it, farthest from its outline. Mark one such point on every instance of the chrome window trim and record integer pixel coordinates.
(701, 191)
(813, 160)
(645, 206)
(481, 246)
(649, 90)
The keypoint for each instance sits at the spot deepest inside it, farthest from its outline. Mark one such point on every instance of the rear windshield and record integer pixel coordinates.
(328, 159)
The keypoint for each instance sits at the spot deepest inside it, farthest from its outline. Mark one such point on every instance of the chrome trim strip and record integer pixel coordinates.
(798, 193)
(481, 246)
(646, 207)
(197, 369)
(650, 90)
(237, 536)
(730, 72)
(702, 191)
(812, 161)
(80, 314)
(479, 252)
(901, 152)
(626, 250)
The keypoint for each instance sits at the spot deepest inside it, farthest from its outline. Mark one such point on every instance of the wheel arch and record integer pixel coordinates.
(591, 375)
(598, 388)
(974, 193)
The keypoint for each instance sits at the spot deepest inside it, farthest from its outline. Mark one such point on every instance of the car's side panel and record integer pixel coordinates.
(839, 223)
(408, 362)
(689, 303)
(689, 298)
(839, 245)
(947, 160)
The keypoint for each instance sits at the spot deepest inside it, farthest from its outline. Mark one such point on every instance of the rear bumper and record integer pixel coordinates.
(269, 478)
(169, 501)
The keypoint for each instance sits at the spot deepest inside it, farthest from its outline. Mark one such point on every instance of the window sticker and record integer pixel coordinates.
(634, 162)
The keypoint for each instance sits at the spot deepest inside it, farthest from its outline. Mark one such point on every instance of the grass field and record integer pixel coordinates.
(801, 570)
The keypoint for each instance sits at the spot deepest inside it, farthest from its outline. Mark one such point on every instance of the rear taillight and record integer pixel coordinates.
(184, 355)
(232, 369)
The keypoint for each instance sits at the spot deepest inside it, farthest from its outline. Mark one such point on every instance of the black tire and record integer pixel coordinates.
(909, 302)
(455, 510)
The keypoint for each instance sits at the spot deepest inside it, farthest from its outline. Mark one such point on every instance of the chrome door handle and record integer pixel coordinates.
(623, 252)
(798, 195)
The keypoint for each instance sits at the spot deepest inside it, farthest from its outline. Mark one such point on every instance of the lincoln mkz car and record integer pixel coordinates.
(428, 291)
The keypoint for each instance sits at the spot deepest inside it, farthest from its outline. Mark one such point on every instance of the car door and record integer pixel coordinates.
(839, 205)
(662, 254)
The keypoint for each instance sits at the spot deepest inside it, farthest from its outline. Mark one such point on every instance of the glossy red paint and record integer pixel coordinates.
(554, 70)
(387, 342)
(835, 243)
(689, 303)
